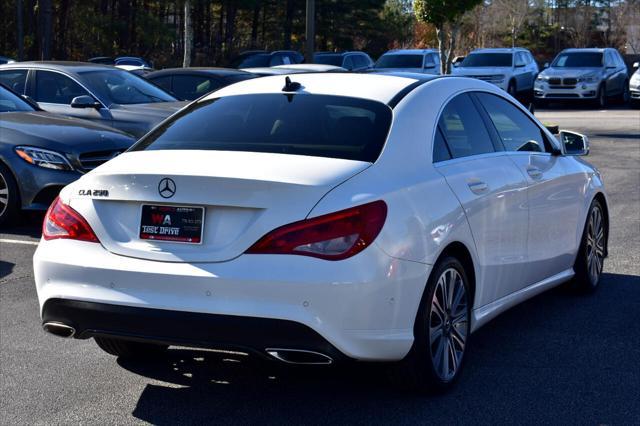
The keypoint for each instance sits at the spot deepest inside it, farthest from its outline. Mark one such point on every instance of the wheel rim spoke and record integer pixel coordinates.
(448, 323)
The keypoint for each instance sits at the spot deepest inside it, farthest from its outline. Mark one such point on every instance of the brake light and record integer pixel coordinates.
(61, 221)
(334, 236)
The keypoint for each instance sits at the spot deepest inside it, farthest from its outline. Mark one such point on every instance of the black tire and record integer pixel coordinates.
(592, 244)
(418, 371)
(512, 89)
(129, 349)
(625, 96)
(601, 99)
(9, 196)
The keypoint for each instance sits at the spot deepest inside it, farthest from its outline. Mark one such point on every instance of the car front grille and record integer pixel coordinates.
(567, 83)
(91, 160)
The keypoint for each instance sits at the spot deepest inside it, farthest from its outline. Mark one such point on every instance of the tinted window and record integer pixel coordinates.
(440, 149)
(578, 60)
(14, 79)
(56, 88)
(521, 59)
(488, 60)
(279, 59)
(190, 87)
(116, 86)
(133, 62)
(348, 63)
(259, 60)
(463, 128)
(399, 61)
(163, 81)
(516, 130)
(335, 60)
(360, 61)
(429, 61)
(317, 125)
(12, 103)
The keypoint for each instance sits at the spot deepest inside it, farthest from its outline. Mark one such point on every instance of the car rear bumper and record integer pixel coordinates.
(362, 308)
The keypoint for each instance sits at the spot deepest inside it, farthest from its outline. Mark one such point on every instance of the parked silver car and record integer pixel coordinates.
(95, 92)
(512, 69)
(584, 74)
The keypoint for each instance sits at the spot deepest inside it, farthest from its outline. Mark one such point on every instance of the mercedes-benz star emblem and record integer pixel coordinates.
(167, 188)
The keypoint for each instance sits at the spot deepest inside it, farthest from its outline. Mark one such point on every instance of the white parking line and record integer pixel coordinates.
(30, 243)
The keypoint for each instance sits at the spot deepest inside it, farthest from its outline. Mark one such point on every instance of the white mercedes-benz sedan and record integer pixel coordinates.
(323, 217)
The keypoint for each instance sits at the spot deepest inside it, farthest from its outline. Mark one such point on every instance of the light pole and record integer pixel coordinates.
(311, 31)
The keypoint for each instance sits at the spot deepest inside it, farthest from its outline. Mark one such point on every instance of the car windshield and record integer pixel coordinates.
(335, 60)
(578, 60)
(314, 125)
(399, 61)
(12, 103)
(121, 87)
(488, 60)
(254, 61)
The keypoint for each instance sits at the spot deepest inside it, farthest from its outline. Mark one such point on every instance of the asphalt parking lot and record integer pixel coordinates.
(558, 358)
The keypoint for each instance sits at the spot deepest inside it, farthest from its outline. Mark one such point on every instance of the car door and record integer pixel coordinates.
(54, 92)
(553, 197)
(521, 72)
(492, 192)
(614, 76)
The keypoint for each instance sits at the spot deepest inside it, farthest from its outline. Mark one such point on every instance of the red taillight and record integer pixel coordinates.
(62, 221)
(334, 236)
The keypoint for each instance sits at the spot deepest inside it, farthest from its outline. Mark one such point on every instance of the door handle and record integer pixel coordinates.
(478, 187)
(534, 172)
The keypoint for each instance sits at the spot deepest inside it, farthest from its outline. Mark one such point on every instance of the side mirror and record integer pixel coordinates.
(574, 143)
(84, 101)
(546, 65)
(636, 65)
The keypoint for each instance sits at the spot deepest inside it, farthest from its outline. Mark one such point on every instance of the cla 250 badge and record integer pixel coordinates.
(94, 192)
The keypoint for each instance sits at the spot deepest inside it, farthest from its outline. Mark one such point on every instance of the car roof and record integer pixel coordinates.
(376, 87)
(311, 67)
(220, 72)
(272, 71)
(499, 50)
(338, 53)
(410, 51)
(587, 49)
(67, 66)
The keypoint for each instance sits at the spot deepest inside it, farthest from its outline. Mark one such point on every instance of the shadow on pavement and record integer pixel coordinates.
(5, 267)
(29, 224)
(557, 358)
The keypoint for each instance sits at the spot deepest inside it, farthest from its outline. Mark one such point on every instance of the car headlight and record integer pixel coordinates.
(542, 78)
(43, 158)
(635, 80)
(591, 78)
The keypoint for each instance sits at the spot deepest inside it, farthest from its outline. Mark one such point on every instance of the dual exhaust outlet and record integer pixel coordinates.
(289, 356)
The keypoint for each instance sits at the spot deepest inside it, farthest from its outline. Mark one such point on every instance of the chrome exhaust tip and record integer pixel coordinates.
(59, 329)
(299, 356)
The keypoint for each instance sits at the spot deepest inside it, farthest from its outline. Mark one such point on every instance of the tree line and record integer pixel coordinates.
(217, 30)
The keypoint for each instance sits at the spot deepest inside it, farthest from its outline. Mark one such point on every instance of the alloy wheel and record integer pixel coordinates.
(448, 324)
(4, 195)
(595, 245)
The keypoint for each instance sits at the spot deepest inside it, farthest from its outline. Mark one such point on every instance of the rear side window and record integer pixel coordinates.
(164, 82)
(14, 79)
(315, 125)
(463, 128)
(516, 130)
(191, 87)
(440, 149)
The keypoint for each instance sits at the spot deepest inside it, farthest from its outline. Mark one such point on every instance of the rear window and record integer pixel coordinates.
(315, 125)
(399, 61)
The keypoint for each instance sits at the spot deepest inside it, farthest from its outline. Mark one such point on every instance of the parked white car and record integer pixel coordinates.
(634, 85)
(425, 61)
(584, 74)
(513, 70)
(319, 217)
